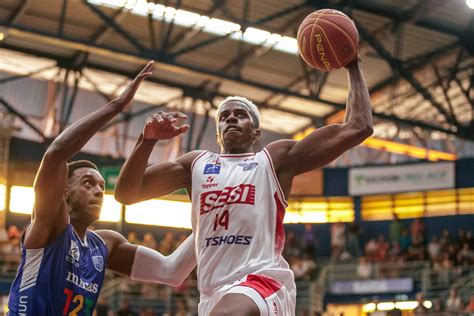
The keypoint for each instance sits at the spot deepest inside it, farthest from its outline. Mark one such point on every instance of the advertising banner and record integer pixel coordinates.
(404, 178)
(401, 285)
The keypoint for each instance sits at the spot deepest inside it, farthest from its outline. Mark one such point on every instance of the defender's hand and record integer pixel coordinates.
(163, 125)
(124, 101)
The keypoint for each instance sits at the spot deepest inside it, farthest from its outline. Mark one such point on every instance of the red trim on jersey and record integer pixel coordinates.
(196, 159)
(236, 155)
(275, 176)
(279, 229)
(265, 286)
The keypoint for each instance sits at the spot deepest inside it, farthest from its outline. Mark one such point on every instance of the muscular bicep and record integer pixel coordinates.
(164, 178)
(121, 252)
(158, 180)
(320, 148)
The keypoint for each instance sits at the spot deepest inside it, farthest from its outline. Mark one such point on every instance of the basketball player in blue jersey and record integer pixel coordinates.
(63, 263)
(239, 197)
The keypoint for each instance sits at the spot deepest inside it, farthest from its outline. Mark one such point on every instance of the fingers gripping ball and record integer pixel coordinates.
(328, 40)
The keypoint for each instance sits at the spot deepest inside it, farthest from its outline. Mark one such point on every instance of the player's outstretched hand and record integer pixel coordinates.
(125, 99)
(163, 125)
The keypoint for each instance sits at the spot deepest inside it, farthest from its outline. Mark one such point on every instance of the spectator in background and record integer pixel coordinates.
(465, 255)
(292, 247)
(470, 239)
(470, 305)
(394, 251)
(364, 268)
(298, 268)
(460, 239)
(13, 232)
(166, 244)
(102, 308)
(445, 239)
(453, 303)
(303, 268)
(420, 309)
(437, 307)
(353, 243)
(150, 242)
(417, 231)
(405, 240)
(309, 239)
(382, 247)
(395, 228)
(338, 239)
(125, 310)
(133, 238)
(416, 252)
(371, 249)
(434, 249)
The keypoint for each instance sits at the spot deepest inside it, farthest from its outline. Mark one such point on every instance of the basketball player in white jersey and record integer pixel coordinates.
(239, 197)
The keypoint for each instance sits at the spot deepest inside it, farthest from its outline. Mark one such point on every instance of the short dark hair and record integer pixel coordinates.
(74, 165)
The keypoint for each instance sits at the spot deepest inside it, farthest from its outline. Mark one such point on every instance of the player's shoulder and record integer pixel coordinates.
(188, 158)
(110, 238)
(278, 151)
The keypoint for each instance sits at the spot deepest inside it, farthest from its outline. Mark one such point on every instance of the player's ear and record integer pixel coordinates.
(256, 133)
(67, 191)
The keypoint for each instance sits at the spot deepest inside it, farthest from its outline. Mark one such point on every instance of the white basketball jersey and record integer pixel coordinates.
(237, 218)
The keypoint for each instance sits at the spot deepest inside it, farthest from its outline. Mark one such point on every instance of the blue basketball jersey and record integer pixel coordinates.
(63, 278)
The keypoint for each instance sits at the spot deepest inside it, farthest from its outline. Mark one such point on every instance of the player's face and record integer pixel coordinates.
(235, 130)
(86, 194)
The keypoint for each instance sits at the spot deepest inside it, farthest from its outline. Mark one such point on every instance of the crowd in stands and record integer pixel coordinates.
(404, 241)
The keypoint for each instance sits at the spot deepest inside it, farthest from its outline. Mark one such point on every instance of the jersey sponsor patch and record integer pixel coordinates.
(228, 240)
(98, 263)
(212, 168)
(74, 251)
(248, 166)
(241, 194)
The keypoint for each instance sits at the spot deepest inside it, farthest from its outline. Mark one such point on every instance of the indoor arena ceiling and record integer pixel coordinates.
(417, 55)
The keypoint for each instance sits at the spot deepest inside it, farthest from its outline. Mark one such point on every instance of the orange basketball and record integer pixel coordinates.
(328, 40)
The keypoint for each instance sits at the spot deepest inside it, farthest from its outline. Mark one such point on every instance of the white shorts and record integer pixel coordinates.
(271, 297)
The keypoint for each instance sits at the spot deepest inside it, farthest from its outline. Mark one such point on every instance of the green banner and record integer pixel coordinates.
(110, 174)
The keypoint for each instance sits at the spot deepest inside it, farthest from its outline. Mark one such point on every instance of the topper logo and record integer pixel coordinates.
(321, 52)
(241, 194)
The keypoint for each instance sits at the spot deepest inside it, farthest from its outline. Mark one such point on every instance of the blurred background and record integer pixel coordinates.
(386, 229)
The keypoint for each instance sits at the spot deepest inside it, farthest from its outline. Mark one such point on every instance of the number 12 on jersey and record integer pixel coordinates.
(222, 219)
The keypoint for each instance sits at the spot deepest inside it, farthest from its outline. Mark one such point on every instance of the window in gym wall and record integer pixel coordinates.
(160, 213)
(3, 196)
(418, 204)
(111, 209)
(23, 198)
(466, 201)
(320, 210)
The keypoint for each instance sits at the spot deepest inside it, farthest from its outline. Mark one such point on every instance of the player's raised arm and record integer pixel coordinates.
(148, 265)
(50, 206)
(136, 182)
(327, 143)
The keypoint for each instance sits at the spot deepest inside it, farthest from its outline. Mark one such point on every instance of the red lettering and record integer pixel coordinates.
(241, 194)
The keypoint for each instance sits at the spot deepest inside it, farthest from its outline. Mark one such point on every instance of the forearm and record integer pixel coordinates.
(132, 174)
(151, 266)
(73, 139)
(359, 110)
